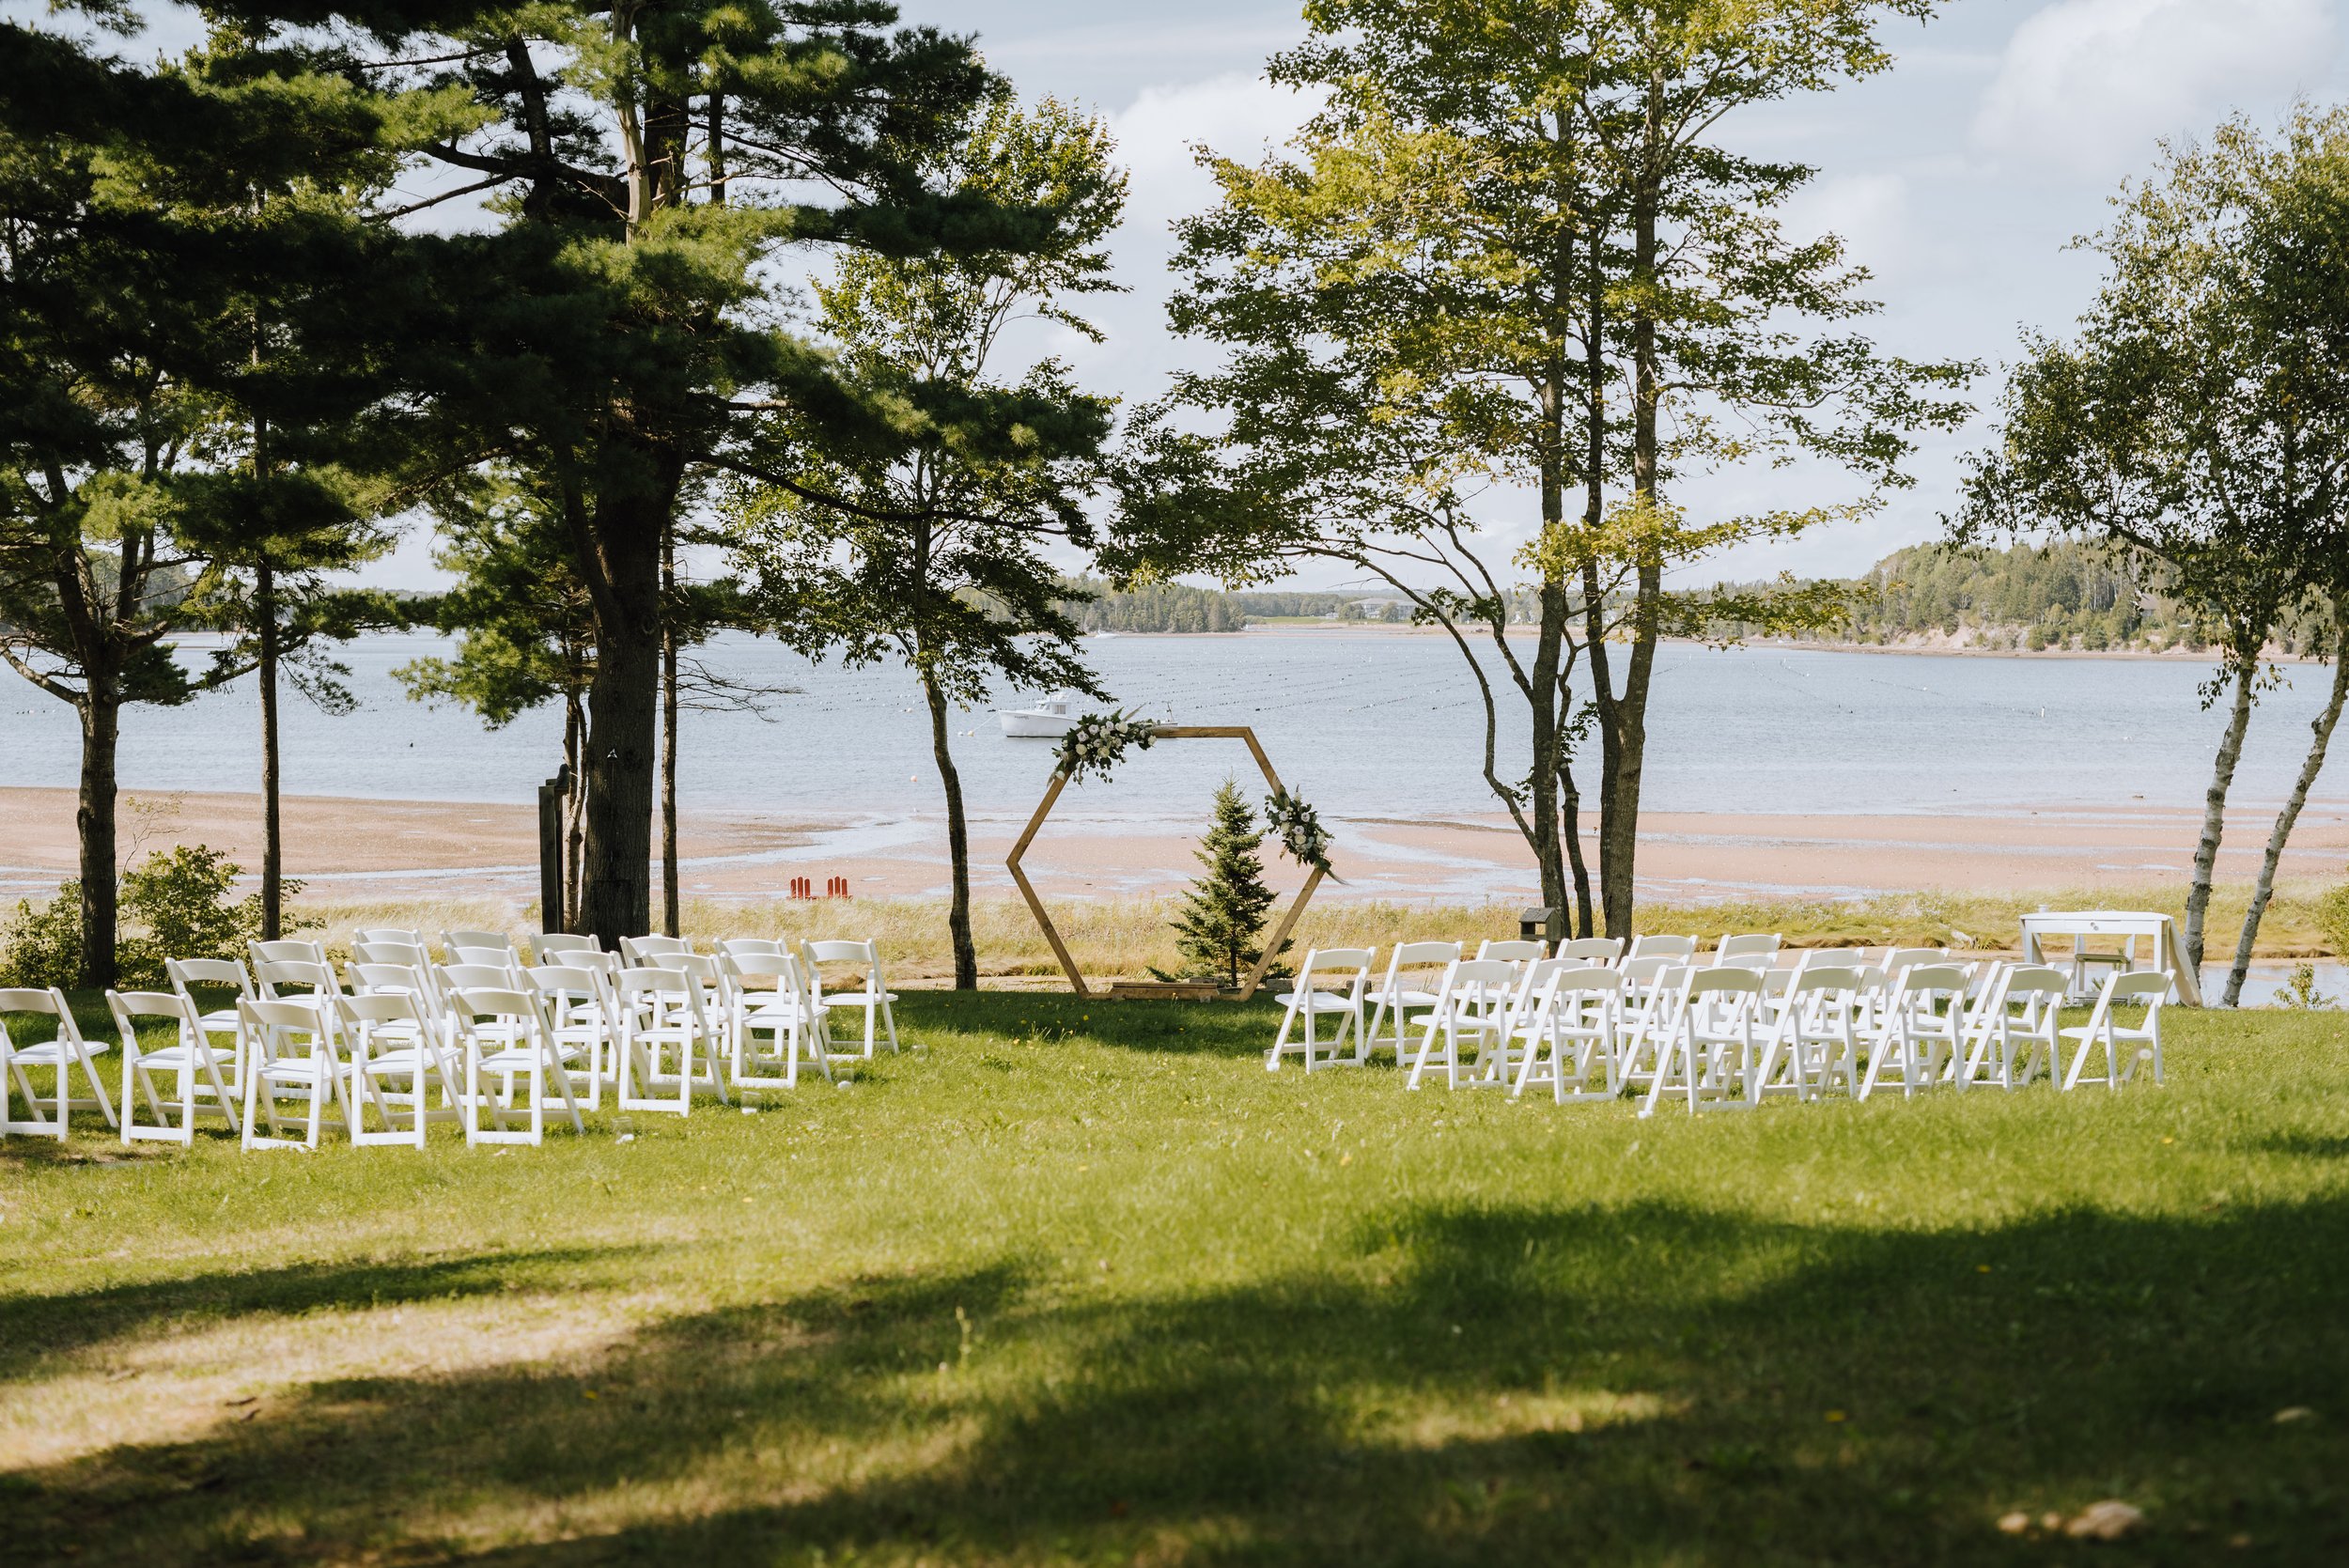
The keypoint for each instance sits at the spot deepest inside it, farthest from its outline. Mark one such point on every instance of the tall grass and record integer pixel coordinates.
(1126, 938)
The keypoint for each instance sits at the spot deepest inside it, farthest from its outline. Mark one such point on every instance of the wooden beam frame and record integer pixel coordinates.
(1051, 797)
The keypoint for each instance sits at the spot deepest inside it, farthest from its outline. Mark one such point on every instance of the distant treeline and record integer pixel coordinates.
(2027, 597)
(2059, 595)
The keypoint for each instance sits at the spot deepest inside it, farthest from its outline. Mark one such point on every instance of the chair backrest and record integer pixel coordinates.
(499, 1001)
(1587, 979)
(843, 952)
(648, 981)
(261, 1012)
(496, 957)
(1513, 952)
(185, 972)
(374, 1008)
(562, 941)
(605, 964)
(1349, 964)
(1591, 950)
(319, 976)
(1663, 947)
(2036, 979)
(455, 940)
(1753, 963)
(2137, 982)
(762, 966)
(1466, 973)
(128, 1006)
(287, 952)
(410, 953)
(389, 934)
(387, 979)
(1902, 959)
(1749, 945)
(1933, 978)
(638, 951)
(479, 977)
(735, 947)
(1644, 972)
(699, 965)
(1827, 977)
(1724, 980)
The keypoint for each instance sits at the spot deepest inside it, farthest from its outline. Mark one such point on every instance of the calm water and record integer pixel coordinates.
(1367, 724)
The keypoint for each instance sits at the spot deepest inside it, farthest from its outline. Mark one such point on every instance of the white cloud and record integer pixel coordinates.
(2085, 87)
(1238, 115)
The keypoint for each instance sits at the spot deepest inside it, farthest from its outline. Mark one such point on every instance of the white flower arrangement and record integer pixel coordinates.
(1302, 836)
(1096, 743)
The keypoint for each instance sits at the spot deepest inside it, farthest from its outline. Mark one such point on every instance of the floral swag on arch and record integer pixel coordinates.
(1096, 743)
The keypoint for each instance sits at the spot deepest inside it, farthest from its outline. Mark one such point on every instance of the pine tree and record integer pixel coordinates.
(1222, 927)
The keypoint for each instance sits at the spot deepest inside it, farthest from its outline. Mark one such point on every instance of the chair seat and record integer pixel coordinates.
(51, 1053)
(222, 1020)
(173, 1057)
(1317, 1002)
(301, 1070)
(1402, 996)
(859, 999)
(404, 1062)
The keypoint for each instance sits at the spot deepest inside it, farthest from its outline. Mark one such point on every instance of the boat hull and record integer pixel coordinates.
(1035, 726)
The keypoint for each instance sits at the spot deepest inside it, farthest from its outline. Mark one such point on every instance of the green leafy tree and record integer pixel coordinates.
(128, 242)
(938, 559)
(620, 331)
(183, 903)
(1512, 262)
(2200, 416)
(1220, 928)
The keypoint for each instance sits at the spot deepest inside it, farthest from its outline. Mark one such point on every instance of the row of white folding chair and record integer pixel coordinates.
(46, 1012)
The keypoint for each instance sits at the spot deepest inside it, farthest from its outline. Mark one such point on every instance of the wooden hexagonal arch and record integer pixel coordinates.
(1131, 988)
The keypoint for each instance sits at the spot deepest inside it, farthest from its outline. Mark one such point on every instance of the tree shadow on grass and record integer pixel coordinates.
(36, 1327)
(1640, 1384)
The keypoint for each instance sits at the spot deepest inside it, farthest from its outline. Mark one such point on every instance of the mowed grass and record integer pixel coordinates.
(1085, 1283)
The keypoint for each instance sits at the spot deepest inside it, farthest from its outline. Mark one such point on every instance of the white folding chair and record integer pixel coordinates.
(394, 1055)
(1679, 949)
(2012, 1028)
(1512, 950)
(1813, 1041)
(1600, 952)
(191, 1056)
(1413, 969)
(776, 1021)
(1751, 944)
(664, 1014)
(1351, 968)
(506, 1032)
(290, 950)
(583, 1021)
(1920, 1028)
(1651, 994)
(299, 983)
(216, 1025)
(410, 954)
(389, 934)
(504, 958)
(873, 998)
(2124, 1047)
(1571, 1034)
(63, 1050)
(1708, 1052)
(289, 1050)
(1473, 999)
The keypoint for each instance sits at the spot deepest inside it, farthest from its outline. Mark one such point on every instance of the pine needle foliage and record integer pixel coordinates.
(1220, 930)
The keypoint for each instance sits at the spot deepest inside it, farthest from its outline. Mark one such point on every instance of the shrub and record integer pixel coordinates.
(43, 945)
(2332, 921)
(178, 899)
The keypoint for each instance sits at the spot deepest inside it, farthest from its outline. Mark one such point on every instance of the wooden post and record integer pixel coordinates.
(552, 795)
(1027, 889)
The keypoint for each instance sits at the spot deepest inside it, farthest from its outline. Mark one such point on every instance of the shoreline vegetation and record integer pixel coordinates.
(2061, 599)
(1122, 938)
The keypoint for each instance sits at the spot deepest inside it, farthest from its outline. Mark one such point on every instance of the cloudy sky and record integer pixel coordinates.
(1958, 178)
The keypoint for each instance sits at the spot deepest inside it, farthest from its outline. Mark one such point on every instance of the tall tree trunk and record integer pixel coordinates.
(1624, 731)
(273, 835)
(958, 840)
(623, 721)
(2281, 833)
(2215, 809)
(669, 913)
(574, 803)
(1570, 827)
(94, 821)
(1548, 741)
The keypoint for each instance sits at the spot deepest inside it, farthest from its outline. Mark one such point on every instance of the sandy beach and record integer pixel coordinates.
(351, 849)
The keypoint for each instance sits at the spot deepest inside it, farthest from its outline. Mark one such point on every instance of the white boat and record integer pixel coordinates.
(1047, 720)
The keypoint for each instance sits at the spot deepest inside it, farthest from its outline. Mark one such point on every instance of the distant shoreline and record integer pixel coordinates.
(1388, 628)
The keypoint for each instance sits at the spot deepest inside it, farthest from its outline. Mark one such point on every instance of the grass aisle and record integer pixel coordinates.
(1089, 1284)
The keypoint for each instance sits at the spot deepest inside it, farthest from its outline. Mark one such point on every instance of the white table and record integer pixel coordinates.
(2169, 954)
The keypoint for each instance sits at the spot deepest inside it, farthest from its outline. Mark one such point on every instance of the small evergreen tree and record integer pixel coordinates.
(1222, 927)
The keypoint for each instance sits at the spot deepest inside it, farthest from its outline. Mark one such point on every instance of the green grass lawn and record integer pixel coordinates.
(1086, 1283)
